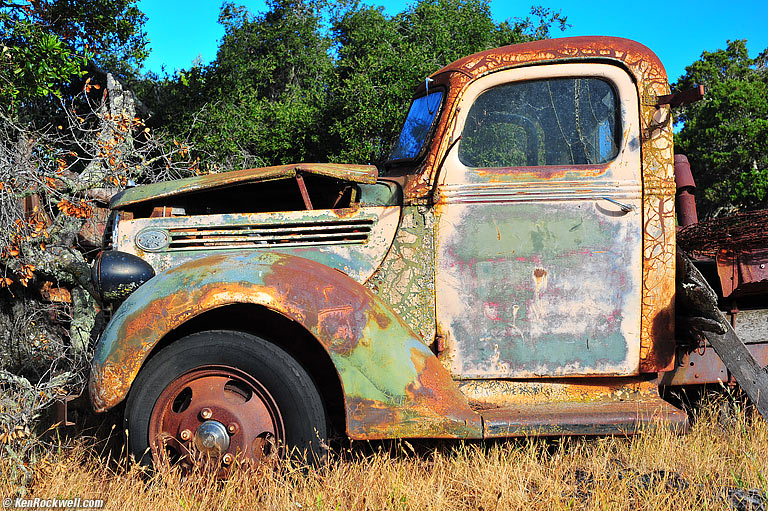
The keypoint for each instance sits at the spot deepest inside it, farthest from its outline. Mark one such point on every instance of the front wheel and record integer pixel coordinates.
(223, 397)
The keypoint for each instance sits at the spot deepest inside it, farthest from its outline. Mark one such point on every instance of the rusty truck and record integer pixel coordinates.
(510, 271)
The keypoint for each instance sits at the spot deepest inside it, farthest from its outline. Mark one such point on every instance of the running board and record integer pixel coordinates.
(579, 418)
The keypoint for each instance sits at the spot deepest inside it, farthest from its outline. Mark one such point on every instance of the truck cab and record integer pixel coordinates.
(510, 272)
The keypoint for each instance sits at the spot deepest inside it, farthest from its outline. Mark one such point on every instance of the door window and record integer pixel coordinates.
(557, 121)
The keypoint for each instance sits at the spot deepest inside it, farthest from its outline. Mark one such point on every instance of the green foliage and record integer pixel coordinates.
(725, 136)
(45, 44)
(261, 100)
(35, 68)
(285, 88)
(381, 60)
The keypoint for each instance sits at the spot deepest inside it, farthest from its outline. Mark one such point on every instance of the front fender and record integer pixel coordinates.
(393, 385)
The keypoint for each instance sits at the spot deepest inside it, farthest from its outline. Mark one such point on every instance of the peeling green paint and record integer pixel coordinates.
(406, 277)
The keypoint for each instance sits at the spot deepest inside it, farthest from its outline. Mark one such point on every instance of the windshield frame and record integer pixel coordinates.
(430, 132)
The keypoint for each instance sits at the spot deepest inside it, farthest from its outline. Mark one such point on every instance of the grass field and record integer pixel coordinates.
(710, 467)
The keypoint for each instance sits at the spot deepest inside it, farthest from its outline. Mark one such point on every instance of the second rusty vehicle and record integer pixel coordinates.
(512, 273)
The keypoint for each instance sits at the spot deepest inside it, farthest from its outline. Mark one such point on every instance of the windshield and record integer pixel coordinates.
(417, 125)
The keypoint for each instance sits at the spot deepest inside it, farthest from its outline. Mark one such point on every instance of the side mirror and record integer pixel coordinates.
(684, 97)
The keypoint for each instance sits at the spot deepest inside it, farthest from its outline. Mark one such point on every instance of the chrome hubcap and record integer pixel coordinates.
(211, 438)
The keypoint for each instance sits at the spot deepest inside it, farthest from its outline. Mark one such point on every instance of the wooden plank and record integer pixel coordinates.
(752, 378)
(699, 301)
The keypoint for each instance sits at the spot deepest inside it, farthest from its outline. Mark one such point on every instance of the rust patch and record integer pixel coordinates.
(744, 272)
(371, 415)
(543, 172)
(369, 419)
(567, 48)
(704, 366)
(342, 311)
(393, 385)
(598, 418)
(489, 394)
(436, 391)
(344, 213)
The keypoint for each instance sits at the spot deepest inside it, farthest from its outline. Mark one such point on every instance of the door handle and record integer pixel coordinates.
(626, 208)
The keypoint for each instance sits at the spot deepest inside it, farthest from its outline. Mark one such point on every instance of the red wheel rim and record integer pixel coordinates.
(248, 425)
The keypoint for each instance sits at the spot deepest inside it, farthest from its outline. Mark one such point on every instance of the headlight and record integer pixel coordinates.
(117, 274)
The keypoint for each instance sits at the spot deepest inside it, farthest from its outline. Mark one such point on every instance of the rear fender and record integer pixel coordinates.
(393, 385)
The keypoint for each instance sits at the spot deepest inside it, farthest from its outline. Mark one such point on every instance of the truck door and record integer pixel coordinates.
(539, 233)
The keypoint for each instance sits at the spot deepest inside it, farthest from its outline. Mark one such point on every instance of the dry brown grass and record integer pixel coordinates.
(653, 470)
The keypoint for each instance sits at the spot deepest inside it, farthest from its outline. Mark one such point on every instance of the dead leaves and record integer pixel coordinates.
(16, 433)
(76, 210)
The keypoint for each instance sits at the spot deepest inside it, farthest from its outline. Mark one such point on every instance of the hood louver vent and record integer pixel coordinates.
(304, 234)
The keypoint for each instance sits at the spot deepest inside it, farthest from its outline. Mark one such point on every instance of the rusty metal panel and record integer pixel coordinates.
(139, 194)
(393, 385)
(530, 294)
(659, 244)
(539, 268)
(704, 366)
(597, 418)
(352, 240)
(686, 190)
(743, 271)
(491, 394)
(593, 406)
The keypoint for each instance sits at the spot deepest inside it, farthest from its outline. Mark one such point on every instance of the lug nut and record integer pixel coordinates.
(186, 435)
(226, 459)
(232, 428)
(206, 413)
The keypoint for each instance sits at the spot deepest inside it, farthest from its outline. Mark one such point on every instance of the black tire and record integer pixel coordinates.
(286, 381)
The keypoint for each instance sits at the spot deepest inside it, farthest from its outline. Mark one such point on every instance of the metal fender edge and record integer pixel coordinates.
(394, 387)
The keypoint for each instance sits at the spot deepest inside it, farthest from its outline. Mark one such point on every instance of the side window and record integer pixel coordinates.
(558, 121)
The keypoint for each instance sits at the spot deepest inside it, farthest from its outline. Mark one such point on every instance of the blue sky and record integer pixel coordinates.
(180, 31)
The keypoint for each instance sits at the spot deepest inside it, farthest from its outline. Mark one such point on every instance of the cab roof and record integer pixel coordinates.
(638, 58)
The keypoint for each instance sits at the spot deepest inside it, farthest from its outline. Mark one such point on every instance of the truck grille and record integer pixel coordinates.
(304, 234)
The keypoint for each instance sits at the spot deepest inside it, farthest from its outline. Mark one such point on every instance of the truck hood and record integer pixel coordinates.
(132, 196)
